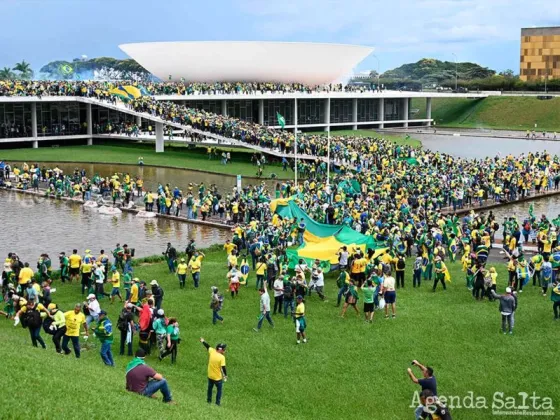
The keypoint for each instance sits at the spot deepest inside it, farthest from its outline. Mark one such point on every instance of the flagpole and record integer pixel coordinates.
(328, 158)
(295, 141)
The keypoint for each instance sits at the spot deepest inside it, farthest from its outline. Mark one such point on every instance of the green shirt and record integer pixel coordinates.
(173, 332)
(159, 326)
(368, 294)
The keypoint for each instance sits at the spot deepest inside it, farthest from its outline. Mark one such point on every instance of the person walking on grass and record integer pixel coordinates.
(216, 303)
(351, 299)
(217, 372)
(74, 321)
(173, 340)
(116, 282)
(264, 308)
(182, 269)
(389, 294)
(427, 382)
(125, 324)
(508, 304)
(301, 323)
(368, 289)
(555, 298)
(160, 331)
(144, 380)
(104, 331)
(170, 254)
(30, 314)
(58, 325)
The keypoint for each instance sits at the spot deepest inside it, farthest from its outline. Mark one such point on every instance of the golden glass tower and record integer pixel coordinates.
(540, 53)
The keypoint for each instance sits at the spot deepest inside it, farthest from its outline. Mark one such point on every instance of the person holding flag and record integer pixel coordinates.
(555, 298)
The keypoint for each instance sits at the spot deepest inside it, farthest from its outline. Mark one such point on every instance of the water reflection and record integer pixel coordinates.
(33, 225)
(480, 147)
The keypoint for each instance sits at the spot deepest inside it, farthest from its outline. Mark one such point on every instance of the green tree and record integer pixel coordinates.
(24, 70)
(6, 74)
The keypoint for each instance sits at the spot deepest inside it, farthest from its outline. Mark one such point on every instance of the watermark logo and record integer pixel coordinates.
(501, 404)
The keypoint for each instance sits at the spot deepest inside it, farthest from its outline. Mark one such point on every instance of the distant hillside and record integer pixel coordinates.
(429, 70)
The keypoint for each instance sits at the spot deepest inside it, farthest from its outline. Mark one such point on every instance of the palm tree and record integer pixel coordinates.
(6, 74)
(24, 69)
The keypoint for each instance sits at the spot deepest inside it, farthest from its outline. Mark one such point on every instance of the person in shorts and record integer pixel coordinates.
(389, 294)
(300, 320)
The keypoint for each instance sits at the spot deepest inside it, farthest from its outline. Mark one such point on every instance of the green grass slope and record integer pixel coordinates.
(176, 157)
(506, 113)
(347, 370)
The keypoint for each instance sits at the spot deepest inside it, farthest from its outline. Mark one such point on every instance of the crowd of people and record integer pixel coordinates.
(100, 89)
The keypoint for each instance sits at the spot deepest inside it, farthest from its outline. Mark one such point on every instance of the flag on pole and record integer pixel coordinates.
(66, 69)
(281, 120)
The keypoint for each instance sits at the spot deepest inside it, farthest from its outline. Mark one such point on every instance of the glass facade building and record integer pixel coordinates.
(540, 53)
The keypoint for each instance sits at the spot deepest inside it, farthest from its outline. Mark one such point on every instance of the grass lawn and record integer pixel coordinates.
(398, 139)
(176, 157)
(347, 370)
(506, 113)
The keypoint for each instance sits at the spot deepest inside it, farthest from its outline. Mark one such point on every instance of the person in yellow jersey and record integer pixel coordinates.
(229, 247)
(25, 276)
(232, 260)
(116, 282)
(75, 261)
(217, 372)
(86, 269)
(74, 321)
(195, 264)
(301, 324)
(134, 290)
(182, 269)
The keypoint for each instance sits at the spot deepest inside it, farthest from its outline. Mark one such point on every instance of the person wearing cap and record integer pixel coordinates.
(301, 324)
(74, 321)
(125, 324)
(182, 269)
(157, 293)
(86, 268)
(217, 372)
(58, 325)
(104, 331)
(508, 304)
(160, 330)
(144, 380)
(93, 309)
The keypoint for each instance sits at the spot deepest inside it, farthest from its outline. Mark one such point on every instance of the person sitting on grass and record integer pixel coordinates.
(144, 380)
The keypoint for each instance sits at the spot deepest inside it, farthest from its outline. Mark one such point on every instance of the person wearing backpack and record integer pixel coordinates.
(30, 316)
(400, 265)
(216, 304)
(125, 324)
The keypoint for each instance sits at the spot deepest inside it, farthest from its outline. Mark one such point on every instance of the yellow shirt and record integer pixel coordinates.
(182, 268)
(134, 293)
(86, 268)
(229, 247)
(73, 323)
(195, 263)
(75, 260)
(300, 310)
(215, 363)
(232, 260)
(261, 268)
(39, 307)
(25, 275)
(116, 279)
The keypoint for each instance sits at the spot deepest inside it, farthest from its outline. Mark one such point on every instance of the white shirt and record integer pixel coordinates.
(343, 258)
(94, 308)
(99, 276)
(389, 283)
(265, 302)
(278, 284)
(318, 279)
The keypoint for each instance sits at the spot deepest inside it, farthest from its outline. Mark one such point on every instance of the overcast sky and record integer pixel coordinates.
(402, 31)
